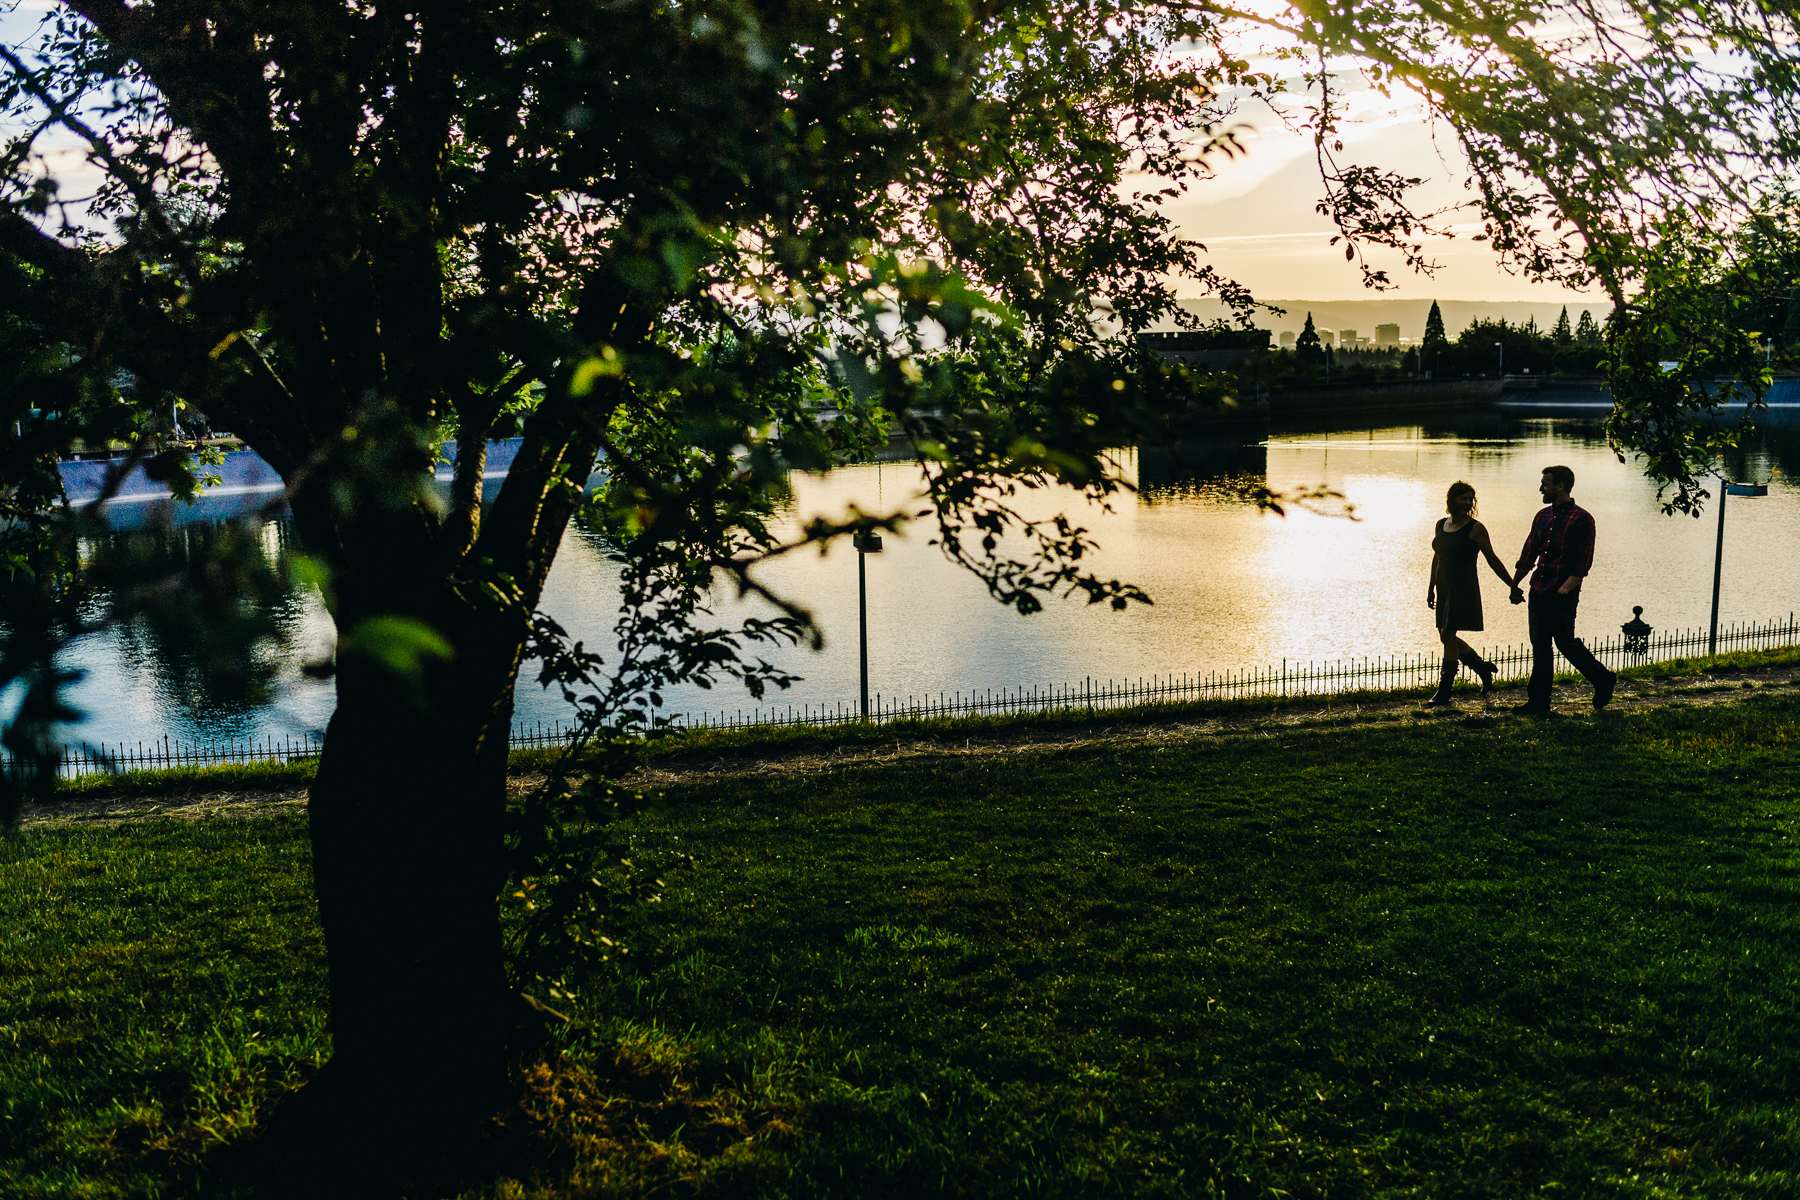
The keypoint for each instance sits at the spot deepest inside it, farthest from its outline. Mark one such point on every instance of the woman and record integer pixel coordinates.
(1454, 590)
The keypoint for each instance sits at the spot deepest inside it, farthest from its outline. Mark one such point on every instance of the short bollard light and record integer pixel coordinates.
(1637, 633)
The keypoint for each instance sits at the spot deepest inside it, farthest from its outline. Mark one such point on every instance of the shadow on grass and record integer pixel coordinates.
(1460, 959)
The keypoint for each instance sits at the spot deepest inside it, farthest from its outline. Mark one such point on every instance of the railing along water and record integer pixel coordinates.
(1290, 679)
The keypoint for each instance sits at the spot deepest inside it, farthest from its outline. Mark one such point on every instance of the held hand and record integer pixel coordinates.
(1518, 594)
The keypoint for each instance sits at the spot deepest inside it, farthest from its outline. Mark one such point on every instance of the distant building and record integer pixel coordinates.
(1210, 348)
(1326, 337)
(1287, 339)
(1347, 338)
(1387, 336)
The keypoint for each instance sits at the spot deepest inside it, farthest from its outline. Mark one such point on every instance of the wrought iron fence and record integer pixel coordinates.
(84, 758)
(541, 735)
(1292, 678)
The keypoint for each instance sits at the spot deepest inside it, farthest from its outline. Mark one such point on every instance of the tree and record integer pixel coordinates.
(1434, 328)
(1581, 352)
(1560, 334)
(630, 232)
(1477, 349)
(1431, 346)
(1697, 339)
(1587, 330)
(1767, 287)
(645, 234)
(1308, 345)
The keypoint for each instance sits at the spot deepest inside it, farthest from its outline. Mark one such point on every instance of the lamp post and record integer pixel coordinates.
(1726, 488)
(1501, 347)
(866, 544)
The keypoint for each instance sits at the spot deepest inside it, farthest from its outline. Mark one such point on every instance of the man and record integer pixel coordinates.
(1561, 547)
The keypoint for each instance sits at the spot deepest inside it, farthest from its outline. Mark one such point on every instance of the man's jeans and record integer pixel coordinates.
(1552, 617)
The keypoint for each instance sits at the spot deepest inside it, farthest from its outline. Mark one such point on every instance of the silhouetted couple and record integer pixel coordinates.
(1558, 554)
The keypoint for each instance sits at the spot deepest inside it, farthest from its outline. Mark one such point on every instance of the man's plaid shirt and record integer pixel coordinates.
(1561, 543)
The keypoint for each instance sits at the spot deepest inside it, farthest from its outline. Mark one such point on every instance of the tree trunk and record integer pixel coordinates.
(407, 813)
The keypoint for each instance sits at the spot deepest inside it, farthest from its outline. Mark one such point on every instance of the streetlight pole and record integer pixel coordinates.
(1712, 639)
(866, 544)
(1726, 488)
(1501, 347)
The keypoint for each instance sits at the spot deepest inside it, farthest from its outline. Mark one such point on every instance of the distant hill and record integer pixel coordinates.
(1364, 315)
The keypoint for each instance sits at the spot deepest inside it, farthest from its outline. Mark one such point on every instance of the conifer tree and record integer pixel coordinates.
(1434, 328)
(1431, 346)
(1308, 345)
(1587, 330)
(1561, 334)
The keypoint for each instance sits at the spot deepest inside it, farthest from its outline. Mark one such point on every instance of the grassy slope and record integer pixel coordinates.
(1472, 958)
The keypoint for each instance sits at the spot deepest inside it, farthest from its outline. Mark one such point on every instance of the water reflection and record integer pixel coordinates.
(216, 657)
(1222, 469)
(1233, 586)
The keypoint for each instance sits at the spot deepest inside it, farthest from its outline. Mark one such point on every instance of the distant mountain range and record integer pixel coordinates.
(1364, 315)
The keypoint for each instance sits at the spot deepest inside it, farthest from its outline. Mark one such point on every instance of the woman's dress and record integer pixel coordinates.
(1458, 588)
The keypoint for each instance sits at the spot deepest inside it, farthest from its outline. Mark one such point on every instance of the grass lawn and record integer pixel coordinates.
(158, 982)
(1472, 958)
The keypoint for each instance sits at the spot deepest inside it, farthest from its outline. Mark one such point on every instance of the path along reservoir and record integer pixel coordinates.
(1233, 586)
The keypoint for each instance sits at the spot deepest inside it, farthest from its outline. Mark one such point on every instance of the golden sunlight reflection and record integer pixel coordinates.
(1236, 587)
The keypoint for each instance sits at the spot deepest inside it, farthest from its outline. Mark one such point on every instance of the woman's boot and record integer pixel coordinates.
(1441, 697)
(1485, 671)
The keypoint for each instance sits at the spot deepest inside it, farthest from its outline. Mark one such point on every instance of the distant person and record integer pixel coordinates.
(1561, 548)
(1455, 592)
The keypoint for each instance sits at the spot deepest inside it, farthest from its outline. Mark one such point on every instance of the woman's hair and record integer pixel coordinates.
(1457, 488)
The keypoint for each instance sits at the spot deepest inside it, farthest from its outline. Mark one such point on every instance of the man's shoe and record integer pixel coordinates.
(1603, 691)
(1532, 709)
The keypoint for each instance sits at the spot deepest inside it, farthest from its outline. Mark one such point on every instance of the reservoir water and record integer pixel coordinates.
(1233, 586)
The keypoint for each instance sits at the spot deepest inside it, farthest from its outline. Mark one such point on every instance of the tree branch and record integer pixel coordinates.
(19, 237)
(526, 523)
(195, 89)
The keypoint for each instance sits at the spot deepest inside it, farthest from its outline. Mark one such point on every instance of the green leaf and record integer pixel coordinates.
(393, 645)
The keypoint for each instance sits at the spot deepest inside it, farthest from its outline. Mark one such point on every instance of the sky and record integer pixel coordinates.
(1257, 221)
